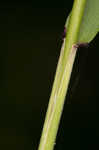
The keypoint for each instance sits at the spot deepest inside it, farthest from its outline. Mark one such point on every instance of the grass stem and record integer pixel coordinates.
(62, 77)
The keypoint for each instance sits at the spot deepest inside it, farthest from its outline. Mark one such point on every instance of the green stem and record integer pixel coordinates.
(62, 77)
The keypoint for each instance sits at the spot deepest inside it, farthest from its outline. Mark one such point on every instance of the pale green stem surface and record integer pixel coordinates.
(62, 77)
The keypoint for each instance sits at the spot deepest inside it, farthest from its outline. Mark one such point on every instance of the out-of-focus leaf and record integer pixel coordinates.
(90, 22)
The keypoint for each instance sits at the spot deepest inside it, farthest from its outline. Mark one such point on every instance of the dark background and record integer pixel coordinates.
(30, 41)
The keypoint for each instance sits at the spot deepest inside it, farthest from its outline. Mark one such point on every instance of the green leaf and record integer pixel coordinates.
(90, 22)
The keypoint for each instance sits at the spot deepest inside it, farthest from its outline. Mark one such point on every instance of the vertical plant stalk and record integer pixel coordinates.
(62, 77)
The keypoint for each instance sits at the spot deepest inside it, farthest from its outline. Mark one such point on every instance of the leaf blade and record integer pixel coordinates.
(90, 22)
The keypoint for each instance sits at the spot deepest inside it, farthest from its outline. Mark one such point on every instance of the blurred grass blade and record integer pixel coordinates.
(90, 22)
